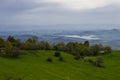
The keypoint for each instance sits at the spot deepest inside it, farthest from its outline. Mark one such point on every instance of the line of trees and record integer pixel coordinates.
(11, 47)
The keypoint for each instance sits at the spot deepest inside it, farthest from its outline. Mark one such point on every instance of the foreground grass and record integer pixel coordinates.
(33, 66)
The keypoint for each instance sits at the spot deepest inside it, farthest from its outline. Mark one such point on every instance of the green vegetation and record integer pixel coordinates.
(32, 65)
(57, 54)
(33, 60)
(74, 48)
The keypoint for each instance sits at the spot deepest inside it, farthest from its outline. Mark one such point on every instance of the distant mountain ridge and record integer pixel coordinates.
(106, 37)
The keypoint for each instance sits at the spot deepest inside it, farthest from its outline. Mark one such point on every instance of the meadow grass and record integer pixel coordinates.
(32, 65)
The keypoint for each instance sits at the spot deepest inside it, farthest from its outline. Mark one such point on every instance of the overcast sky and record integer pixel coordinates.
(47, 12)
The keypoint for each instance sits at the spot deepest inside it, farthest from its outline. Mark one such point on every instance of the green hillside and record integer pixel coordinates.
(32, 65)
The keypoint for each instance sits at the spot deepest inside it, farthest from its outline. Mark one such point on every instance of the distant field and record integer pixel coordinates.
(33, 66)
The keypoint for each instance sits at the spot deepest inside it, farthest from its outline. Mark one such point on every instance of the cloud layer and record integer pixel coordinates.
(42, 12)
(82, 4)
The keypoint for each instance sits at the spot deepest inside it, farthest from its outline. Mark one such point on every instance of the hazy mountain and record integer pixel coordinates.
(106, 37)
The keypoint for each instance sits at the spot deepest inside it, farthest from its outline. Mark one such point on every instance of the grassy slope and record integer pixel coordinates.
(34, 67)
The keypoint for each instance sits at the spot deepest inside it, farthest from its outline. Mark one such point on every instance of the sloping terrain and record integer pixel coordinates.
(32, 65)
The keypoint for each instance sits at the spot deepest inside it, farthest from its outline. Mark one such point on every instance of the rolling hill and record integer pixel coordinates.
(32, 65)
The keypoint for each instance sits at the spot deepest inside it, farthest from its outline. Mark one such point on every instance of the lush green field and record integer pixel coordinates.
(33, 66)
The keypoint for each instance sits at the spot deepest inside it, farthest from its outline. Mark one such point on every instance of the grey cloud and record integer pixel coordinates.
(27, 12)
(14, 6)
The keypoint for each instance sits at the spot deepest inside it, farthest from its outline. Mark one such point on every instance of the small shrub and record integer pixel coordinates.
(99, 61)
(49, 59)
(15, 54)
(57, 54)
(61, 59)
(77, 57)
(91, 61)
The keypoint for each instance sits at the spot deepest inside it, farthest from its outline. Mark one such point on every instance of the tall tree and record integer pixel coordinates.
(2, 42)
(86, 43)
(10, 50)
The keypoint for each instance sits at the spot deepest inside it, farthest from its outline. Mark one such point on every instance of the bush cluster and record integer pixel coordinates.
(11, 45)
(99, 62)
(49, 59)
(57, 54)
